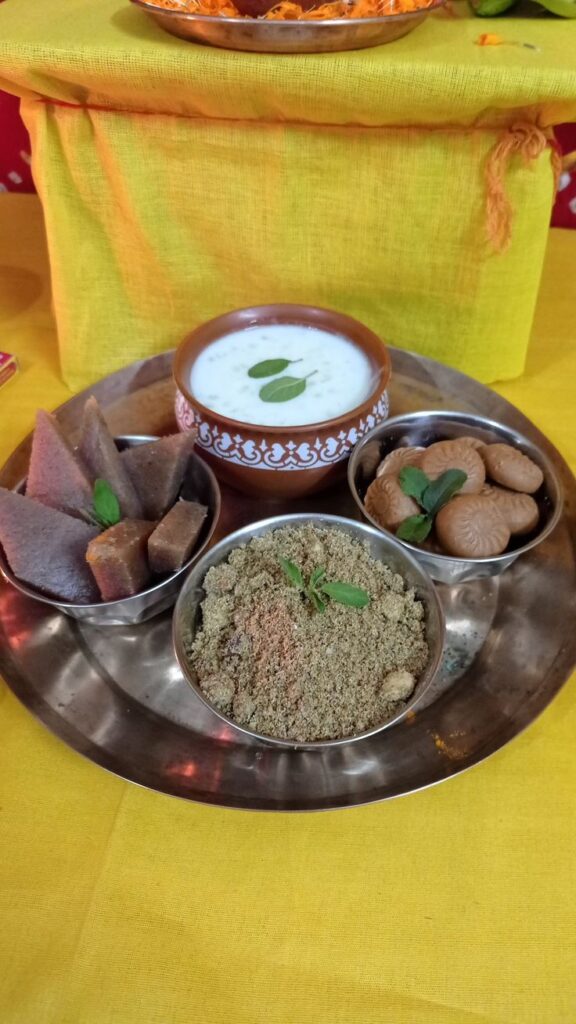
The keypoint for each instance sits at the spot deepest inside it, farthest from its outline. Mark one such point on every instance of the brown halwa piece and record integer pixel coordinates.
(511, 468)
(56, 477)
(386, 502)
(157, 470)
(445, 455)
(396, 460)
(118, 559)
(174, 538)
(471, 526)
(102, 459)
(46, 548)
(519, 511)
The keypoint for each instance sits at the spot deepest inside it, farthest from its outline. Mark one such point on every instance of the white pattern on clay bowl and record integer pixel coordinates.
(291, 454)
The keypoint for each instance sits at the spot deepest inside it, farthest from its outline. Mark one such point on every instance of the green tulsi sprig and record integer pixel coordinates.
(319, 591)
(284, 389)
(431, 495)
(270, 367)
(105, 510)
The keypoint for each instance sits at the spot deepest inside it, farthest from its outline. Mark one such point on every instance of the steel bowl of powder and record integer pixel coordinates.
(309, 630)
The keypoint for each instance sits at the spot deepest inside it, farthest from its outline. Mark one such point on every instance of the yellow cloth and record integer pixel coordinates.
(121, 906)
(181, 181)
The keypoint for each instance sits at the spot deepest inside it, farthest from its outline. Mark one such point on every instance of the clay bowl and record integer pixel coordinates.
(424, 428)
(280, 462)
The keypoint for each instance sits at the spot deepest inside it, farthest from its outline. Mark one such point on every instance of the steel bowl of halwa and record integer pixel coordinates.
(309, 630)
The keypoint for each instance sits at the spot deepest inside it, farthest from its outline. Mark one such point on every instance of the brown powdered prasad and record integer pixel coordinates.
(266, 659)
(174, 538)
(118, 559)
(157, 470)
(47, 548)
(56, 476)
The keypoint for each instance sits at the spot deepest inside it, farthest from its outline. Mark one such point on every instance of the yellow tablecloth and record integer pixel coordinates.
(179, 181)
(121, 906)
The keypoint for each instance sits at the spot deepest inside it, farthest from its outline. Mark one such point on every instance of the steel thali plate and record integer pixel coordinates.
(115, 694)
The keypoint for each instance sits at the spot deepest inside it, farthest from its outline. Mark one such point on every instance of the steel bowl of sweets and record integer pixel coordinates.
(466, 495)
(105, 529)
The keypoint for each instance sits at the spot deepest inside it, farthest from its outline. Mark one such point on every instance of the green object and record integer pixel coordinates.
(563, 8)
(270, 367)
(105, 505)
(316, 576)
(317, 591)
(415, 529)
(284, 389)
(431, 495)
(413, 482)
(491, 8)
(441, 490)
(345, 593)
(318, 603)
(293, 573)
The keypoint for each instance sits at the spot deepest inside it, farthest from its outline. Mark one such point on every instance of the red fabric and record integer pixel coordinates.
(564, 213)
(15, 175)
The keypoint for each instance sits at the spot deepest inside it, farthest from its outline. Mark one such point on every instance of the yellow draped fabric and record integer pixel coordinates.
(120, 906)
(179, 181)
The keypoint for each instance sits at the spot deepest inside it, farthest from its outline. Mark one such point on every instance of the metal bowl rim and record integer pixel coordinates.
(245, 533)
(482, 421)
(101, 606)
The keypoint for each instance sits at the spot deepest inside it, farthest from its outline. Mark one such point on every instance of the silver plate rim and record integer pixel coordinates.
(156, 368)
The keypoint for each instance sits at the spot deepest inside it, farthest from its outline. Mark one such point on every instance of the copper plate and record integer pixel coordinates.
(260, 35)
(510, 647)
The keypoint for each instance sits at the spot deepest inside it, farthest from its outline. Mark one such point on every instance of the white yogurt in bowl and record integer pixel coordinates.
(338, 375)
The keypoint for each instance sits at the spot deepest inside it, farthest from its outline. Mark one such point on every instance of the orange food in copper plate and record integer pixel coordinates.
(287, 10)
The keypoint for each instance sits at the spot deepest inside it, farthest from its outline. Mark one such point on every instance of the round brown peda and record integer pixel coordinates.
(471, 526)
(474, 442)
(397, 459)
(386, 502)
(511, 468)
(519, 511)
(445, 455)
